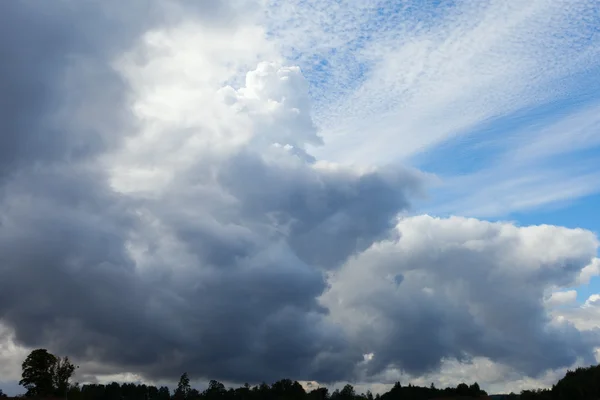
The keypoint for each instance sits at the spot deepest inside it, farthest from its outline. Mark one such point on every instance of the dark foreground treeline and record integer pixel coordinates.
(281, 390)
(46, 376)
(581, 384)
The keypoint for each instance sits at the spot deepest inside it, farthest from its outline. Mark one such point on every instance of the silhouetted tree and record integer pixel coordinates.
(288, 389)
(74, 392)
(45, 374)
(215, 391)
(319, 394)
(347, 393)
(183, 388)
(463, 390)
(61, 373)
(163, 393)
(475, 390)
(38, 373)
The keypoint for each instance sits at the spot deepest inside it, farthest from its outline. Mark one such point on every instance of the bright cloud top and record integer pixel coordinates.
(168, 180)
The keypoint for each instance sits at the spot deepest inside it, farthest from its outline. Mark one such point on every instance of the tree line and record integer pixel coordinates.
(45, 375)
(578, 384)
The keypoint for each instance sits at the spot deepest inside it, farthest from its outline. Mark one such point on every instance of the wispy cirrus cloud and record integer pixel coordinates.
(549, 161)
(392, 81)
(416, 72)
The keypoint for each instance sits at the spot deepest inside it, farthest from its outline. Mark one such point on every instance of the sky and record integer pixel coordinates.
(328, 191)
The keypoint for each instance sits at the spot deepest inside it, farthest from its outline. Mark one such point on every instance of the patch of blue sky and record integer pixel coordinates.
(579, 213)
(585, 291)
(11, 388)
(474, 150)
(326, 83)
(483, 146)
(334, 72)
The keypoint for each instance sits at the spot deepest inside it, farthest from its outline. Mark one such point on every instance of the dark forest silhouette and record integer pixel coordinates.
(48, 376)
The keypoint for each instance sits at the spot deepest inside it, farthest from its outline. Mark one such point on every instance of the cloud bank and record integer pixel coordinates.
(161, 211)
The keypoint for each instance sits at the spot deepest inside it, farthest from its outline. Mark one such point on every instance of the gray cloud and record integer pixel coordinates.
(235, 301)
(470, 289)
(231, 268)
(61, 99)
(41, 44)
(219, 288)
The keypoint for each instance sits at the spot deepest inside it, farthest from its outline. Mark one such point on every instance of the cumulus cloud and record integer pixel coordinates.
(585, 316)
(468, 288)
(215, 268)
(567, 297)
(177, 220)
(591, 270)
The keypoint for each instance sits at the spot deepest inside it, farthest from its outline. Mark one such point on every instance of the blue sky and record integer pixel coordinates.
(537, 119)
(499, 104)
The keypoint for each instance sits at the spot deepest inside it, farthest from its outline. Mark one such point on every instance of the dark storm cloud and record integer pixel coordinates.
(244, 306)
(331, 215)
(57, 215)
(252, 310)
(238, 301)
(39, 43)
(247, 314)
